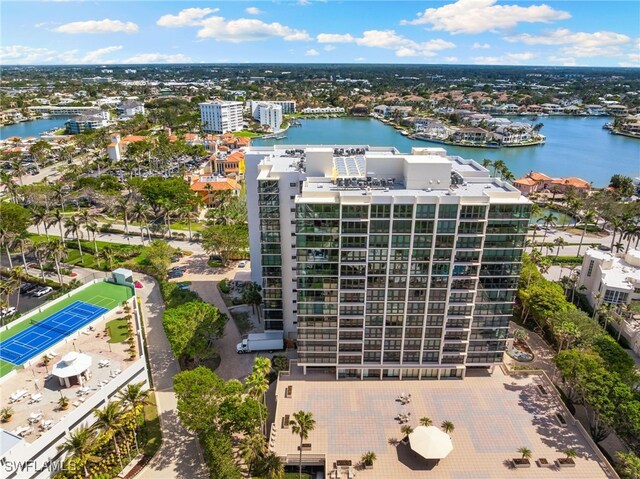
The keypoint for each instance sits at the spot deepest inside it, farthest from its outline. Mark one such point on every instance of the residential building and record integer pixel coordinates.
(323, 110)
(221, 116)
(383, 264)
(534, 182)
(288, 106)
(86, 368)
(229, 164)
(269, 115)
(470, 135)
(513, 133)
(129, 108)
(118, 146)
(84, 122)
(69, 110)
(210, 187)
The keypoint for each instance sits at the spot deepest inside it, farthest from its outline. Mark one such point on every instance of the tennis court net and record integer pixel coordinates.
(43, 324)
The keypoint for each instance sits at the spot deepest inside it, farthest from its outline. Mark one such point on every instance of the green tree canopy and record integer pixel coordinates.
(14, 219)
(226, 241)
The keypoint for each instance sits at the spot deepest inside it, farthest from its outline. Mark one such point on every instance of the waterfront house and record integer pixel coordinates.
(432, 129)
(535, 182)
(508, 109)
(552, 108)
(129, 108)
(572, 110)
(513, 134)
(360, 110)
(470, 135)
(85, 122)
(617, 110)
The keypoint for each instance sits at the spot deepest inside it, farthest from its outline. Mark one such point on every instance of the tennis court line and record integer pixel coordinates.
(98, 299)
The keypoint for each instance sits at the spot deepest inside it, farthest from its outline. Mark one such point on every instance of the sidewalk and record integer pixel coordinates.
(179, 456)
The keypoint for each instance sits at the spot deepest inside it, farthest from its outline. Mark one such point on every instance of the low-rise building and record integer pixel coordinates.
(129, 108)
(210, 187)
(470, 135)
(87, 121)
(610, 279)
(534, 182)
(118, 146)
(323, 110)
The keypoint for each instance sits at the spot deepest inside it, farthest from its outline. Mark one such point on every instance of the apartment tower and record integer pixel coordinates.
(221, 116)
(382, 264)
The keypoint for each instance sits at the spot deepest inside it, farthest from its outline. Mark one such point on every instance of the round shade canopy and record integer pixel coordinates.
(430, 442)
(72, 364)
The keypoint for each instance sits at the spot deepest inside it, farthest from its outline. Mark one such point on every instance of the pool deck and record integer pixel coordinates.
(35, 379)
(494, 415)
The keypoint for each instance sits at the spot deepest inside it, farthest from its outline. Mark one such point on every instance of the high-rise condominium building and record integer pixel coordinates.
(221, 116)
(382, 264)
(270, 115)
(288, 106)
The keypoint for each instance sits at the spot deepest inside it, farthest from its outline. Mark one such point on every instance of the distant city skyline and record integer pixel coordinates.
(483, 32)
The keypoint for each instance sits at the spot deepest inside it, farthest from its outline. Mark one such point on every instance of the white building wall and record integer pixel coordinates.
(221, 116)
(270, 115)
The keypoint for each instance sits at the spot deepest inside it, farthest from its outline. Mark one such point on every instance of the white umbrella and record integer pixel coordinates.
(430, 442)
(72, 364)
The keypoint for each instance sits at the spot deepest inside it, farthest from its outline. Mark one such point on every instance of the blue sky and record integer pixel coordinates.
(513, 32)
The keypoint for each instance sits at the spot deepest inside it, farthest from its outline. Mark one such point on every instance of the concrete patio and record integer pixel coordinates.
(493, 417)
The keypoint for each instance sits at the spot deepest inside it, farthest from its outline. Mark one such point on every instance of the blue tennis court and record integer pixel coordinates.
(39, 337)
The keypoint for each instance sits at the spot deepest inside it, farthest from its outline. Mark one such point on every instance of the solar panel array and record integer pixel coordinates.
(349, 166)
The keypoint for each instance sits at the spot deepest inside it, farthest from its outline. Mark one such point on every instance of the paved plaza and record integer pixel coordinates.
(493, 417)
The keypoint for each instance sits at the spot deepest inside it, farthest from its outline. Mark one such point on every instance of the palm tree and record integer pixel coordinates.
(80, 445)
(498, 167)
(559, 243)
(58, 251)
(252, 448)
(548, 221)
(139, 215)
(257, 385)
(74, 227)
(107, 254)
(302, 424)
(93, 229)
(38, 215)
(587, 218)
(15, 276)
(447, 426)
(109, 422)
(122, 206)
(426, 421)
(10, 186)
(135, 398)
(41, 253)
(58, 217)
(270, 466)
(487, 163)
(18, 169)
(58, 190)
(7, 239)
(526, 452)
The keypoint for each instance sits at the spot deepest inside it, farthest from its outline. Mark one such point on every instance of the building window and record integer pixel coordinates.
(590, 270)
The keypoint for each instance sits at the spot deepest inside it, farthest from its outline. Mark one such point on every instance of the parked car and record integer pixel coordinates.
(25, 288)
(175, 273)
(604, 247)
(184, 286)
(179, 268)
(42, 291)
(242, 264)
(175, 259)
(11, 310)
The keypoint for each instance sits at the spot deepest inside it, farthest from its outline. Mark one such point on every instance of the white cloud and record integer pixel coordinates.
(506, 59)
(634, 60)
(450, 59)
(564, 61)
(477, 16)
(158, 58)
(312, 52)
(253, 10)
(235, 31)
(24, 55)
(98, 26)
(248, 30)
(329, 48)
(95, 56)
(335, 38)
(189, 17)
(480, 46)
(577, 44)
(359, 59)
(389, 40)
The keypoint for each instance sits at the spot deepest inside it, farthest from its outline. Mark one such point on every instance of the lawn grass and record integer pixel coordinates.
(97, 294)
(118, 330)
(245, 134)
(151, 434)
(5, 367)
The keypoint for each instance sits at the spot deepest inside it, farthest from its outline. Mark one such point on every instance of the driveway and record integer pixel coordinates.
(179, 456)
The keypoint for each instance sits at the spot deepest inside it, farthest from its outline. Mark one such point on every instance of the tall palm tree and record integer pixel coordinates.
(589, 217)
(548, 221)
(447, 426)
(58, 217)
(123, 206)
(426, 421)
(58, 190)
(7, 239)
(79, 446)
(498, 167)
(109, 422)
(18, 170)
(302, 424)
(74, 226)
(93, 229)
(58, 252)
(139, 215)
(41, 253)
(487, 163)
(15, 276)
(10, 186)
(38, 214)
(257, 385)
(559, 243)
